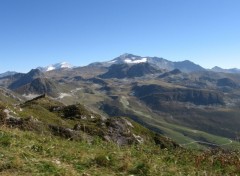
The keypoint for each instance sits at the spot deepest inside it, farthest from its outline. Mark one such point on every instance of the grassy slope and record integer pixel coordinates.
(28, 153)
(33, 153)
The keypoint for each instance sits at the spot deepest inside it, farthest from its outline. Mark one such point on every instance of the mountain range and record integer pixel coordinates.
(161, 63)
(171, 98)
(130, 59)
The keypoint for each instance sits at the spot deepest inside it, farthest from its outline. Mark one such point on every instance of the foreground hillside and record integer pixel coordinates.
(28, 153)
(45, 137)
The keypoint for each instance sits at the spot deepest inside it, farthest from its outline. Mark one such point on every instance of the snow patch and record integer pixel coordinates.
(113, 61)
(56, 66)
(75, 90)
(50, 68)
(131, 61)
(62, 95)
(63, 65)
(30, 96)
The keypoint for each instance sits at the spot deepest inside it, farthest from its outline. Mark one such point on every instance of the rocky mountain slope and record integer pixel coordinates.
(219, 69)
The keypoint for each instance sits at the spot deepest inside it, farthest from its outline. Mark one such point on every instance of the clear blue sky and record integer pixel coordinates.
(40, 32)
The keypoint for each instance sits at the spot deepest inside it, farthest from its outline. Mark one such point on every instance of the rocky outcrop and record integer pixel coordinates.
(119, 130)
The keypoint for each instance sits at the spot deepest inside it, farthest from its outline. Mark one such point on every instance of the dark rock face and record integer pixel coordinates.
(26, 78)
(154, 94)
(142, 69)
(116, 71)
(42, 85)
(129, 71)
(39, 86)
(227, 82)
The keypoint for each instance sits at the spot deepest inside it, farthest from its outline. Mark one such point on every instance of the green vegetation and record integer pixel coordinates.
(49, 138)
(28, 153)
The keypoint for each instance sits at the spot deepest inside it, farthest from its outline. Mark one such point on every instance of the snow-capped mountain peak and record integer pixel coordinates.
(158, 62)
(129, 59)
(61, 65)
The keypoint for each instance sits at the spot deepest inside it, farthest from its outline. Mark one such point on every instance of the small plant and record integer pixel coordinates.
(141, 169)
(37, 148)
(48, 168)
(5, 139)
(105, 160)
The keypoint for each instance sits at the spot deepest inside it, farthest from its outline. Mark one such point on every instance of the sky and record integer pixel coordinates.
(41, 32)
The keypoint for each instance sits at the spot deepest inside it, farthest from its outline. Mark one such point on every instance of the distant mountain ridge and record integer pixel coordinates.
(231, 70)
(8, 73)
(57, 66)
(160, 63)
(131, 59)
(33, 82)
(25, 78)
